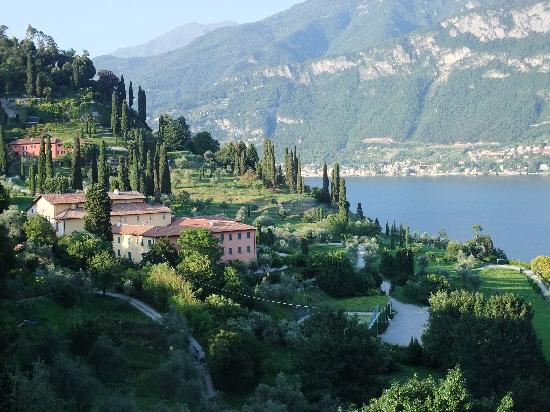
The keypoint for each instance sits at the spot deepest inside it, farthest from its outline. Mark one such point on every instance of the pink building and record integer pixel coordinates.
(31, 147)
(237, 240)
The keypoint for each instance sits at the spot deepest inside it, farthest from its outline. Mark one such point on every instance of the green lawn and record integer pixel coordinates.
(316, 296)
(510, 281)
(22, 202)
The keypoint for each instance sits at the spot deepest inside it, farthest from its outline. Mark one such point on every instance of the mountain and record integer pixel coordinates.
(328, 74)
(172, 40)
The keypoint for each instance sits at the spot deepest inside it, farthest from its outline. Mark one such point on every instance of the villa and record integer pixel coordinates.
(137, 225)
(31, 148)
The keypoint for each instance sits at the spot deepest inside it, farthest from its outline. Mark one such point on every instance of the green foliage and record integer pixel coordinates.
(76, 165)
(57, 184)
(200, 241)
(3, 152)
(335, 273)
(541, 266)
(103, 171)
(104, 268)
(162, 283)
(421, 287)
(98, 213)
(340, 357)
(284, 395)
(163, 251)
(4, 198)
(39, 231)
(491, 338)
(78, 249)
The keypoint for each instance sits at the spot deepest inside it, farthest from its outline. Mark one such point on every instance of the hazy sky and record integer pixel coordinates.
(101, 26)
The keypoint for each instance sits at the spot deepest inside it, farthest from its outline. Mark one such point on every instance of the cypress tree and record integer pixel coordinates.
(124, 120)
(299, 179)
(142, 106)
(49, 160)
(30, 84)
(3, 153)
(335, 184)
(94, 164)
(32, 178)
(130, 95)
(121, 89)
(103, 167)
(387, 229)
(39, 84)
(288, 169)
(272, 168)
(122, 175)
(76, 167)
(41, 177)
(360, 214)
(343, 205)
(21, 168)
(326, 184)
(150, 174)
(115, 121)
(98, 212)
(134, 170)
(164, 172)
(156, 177)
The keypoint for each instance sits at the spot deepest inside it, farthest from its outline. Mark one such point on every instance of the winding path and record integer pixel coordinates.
(194, 346)
(409, 321)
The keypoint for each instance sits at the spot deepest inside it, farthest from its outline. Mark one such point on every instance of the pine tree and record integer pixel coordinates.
(3, 153)
(134, 170)
(30, 84)
(98, 213)
(103, 168)
(130, 95)
(41, 177)
(32, 178)
(115, 120)
(76, 167)
(164, 172)
(49, 160)
(122, 175)
(326, 184)
(124, 120)
(343, 205)
(93, 160)
(150, 174)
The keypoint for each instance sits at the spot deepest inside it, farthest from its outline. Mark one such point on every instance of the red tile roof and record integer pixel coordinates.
(213, 225)
(67, 198)
(118, 209)
(32, 141)
(134, 230)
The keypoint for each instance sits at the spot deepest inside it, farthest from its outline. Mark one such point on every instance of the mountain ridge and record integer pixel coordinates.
(481, 73)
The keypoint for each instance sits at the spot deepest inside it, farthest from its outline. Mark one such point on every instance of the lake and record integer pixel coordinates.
(514, 210)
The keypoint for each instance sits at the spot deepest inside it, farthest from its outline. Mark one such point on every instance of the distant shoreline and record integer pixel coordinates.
(318, 175)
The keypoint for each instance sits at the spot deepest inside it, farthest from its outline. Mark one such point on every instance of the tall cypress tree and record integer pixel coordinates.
(122, 174)
(326, 184)
(150, 174)
(343, 205)
(3, 153)
(164, 172)
(93, 161)
(156, 176)
(335, 184)
(103, 167)
(30, 84)
(299, 179)
(115, 120)
(121, 89)
(360, 214)
(124, 120)
(49, 160)
(98, 213)
(130, 95)
(32, 178)
(134, 170)
(41, 176)
(142, 105)
(21, 168)
(76, 167)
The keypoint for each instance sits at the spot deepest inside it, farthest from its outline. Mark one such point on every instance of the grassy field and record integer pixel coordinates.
(510, 281)
(355, 304)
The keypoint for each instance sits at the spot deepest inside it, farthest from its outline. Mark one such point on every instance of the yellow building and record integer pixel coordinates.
(66, 211)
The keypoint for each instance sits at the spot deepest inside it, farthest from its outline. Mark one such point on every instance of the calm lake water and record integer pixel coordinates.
(514, 210)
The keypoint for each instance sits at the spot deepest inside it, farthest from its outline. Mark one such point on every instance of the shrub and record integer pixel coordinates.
(414, 353)
(541, 266)
(313, 215)
(161, 284)
(423, 286)
(39, 231)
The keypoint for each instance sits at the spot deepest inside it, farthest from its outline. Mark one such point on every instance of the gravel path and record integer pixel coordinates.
(194, 346)
(409, 321)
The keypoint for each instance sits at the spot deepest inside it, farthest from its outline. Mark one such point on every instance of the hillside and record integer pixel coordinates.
(441, 72)
(172, 40)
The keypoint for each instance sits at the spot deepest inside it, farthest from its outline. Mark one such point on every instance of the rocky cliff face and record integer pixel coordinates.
(480, 74)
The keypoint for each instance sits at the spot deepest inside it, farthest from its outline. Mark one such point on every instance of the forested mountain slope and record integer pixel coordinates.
(326, 75)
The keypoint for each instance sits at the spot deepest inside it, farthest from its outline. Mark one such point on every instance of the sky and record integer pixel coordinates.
(102, 26)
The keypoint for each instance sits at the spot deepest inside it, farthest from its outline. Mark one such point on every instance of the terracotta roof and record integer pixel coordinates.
(59, 199)
(134, 230)
(122, 209)
(32, 141)
(213, 225)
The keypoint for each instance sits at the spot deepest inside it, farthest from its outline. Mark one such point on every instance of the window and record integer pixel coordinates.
(149, 242)
(137, 218)
(141, 242)
(163, 216)
(118, 239)
(240, 250)
(129, 240)
(248, 249)
(248, 235)
(118, 252)
(230, 236)
(130, 255)
(222, 237)
(230, 251)
(239, 236)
